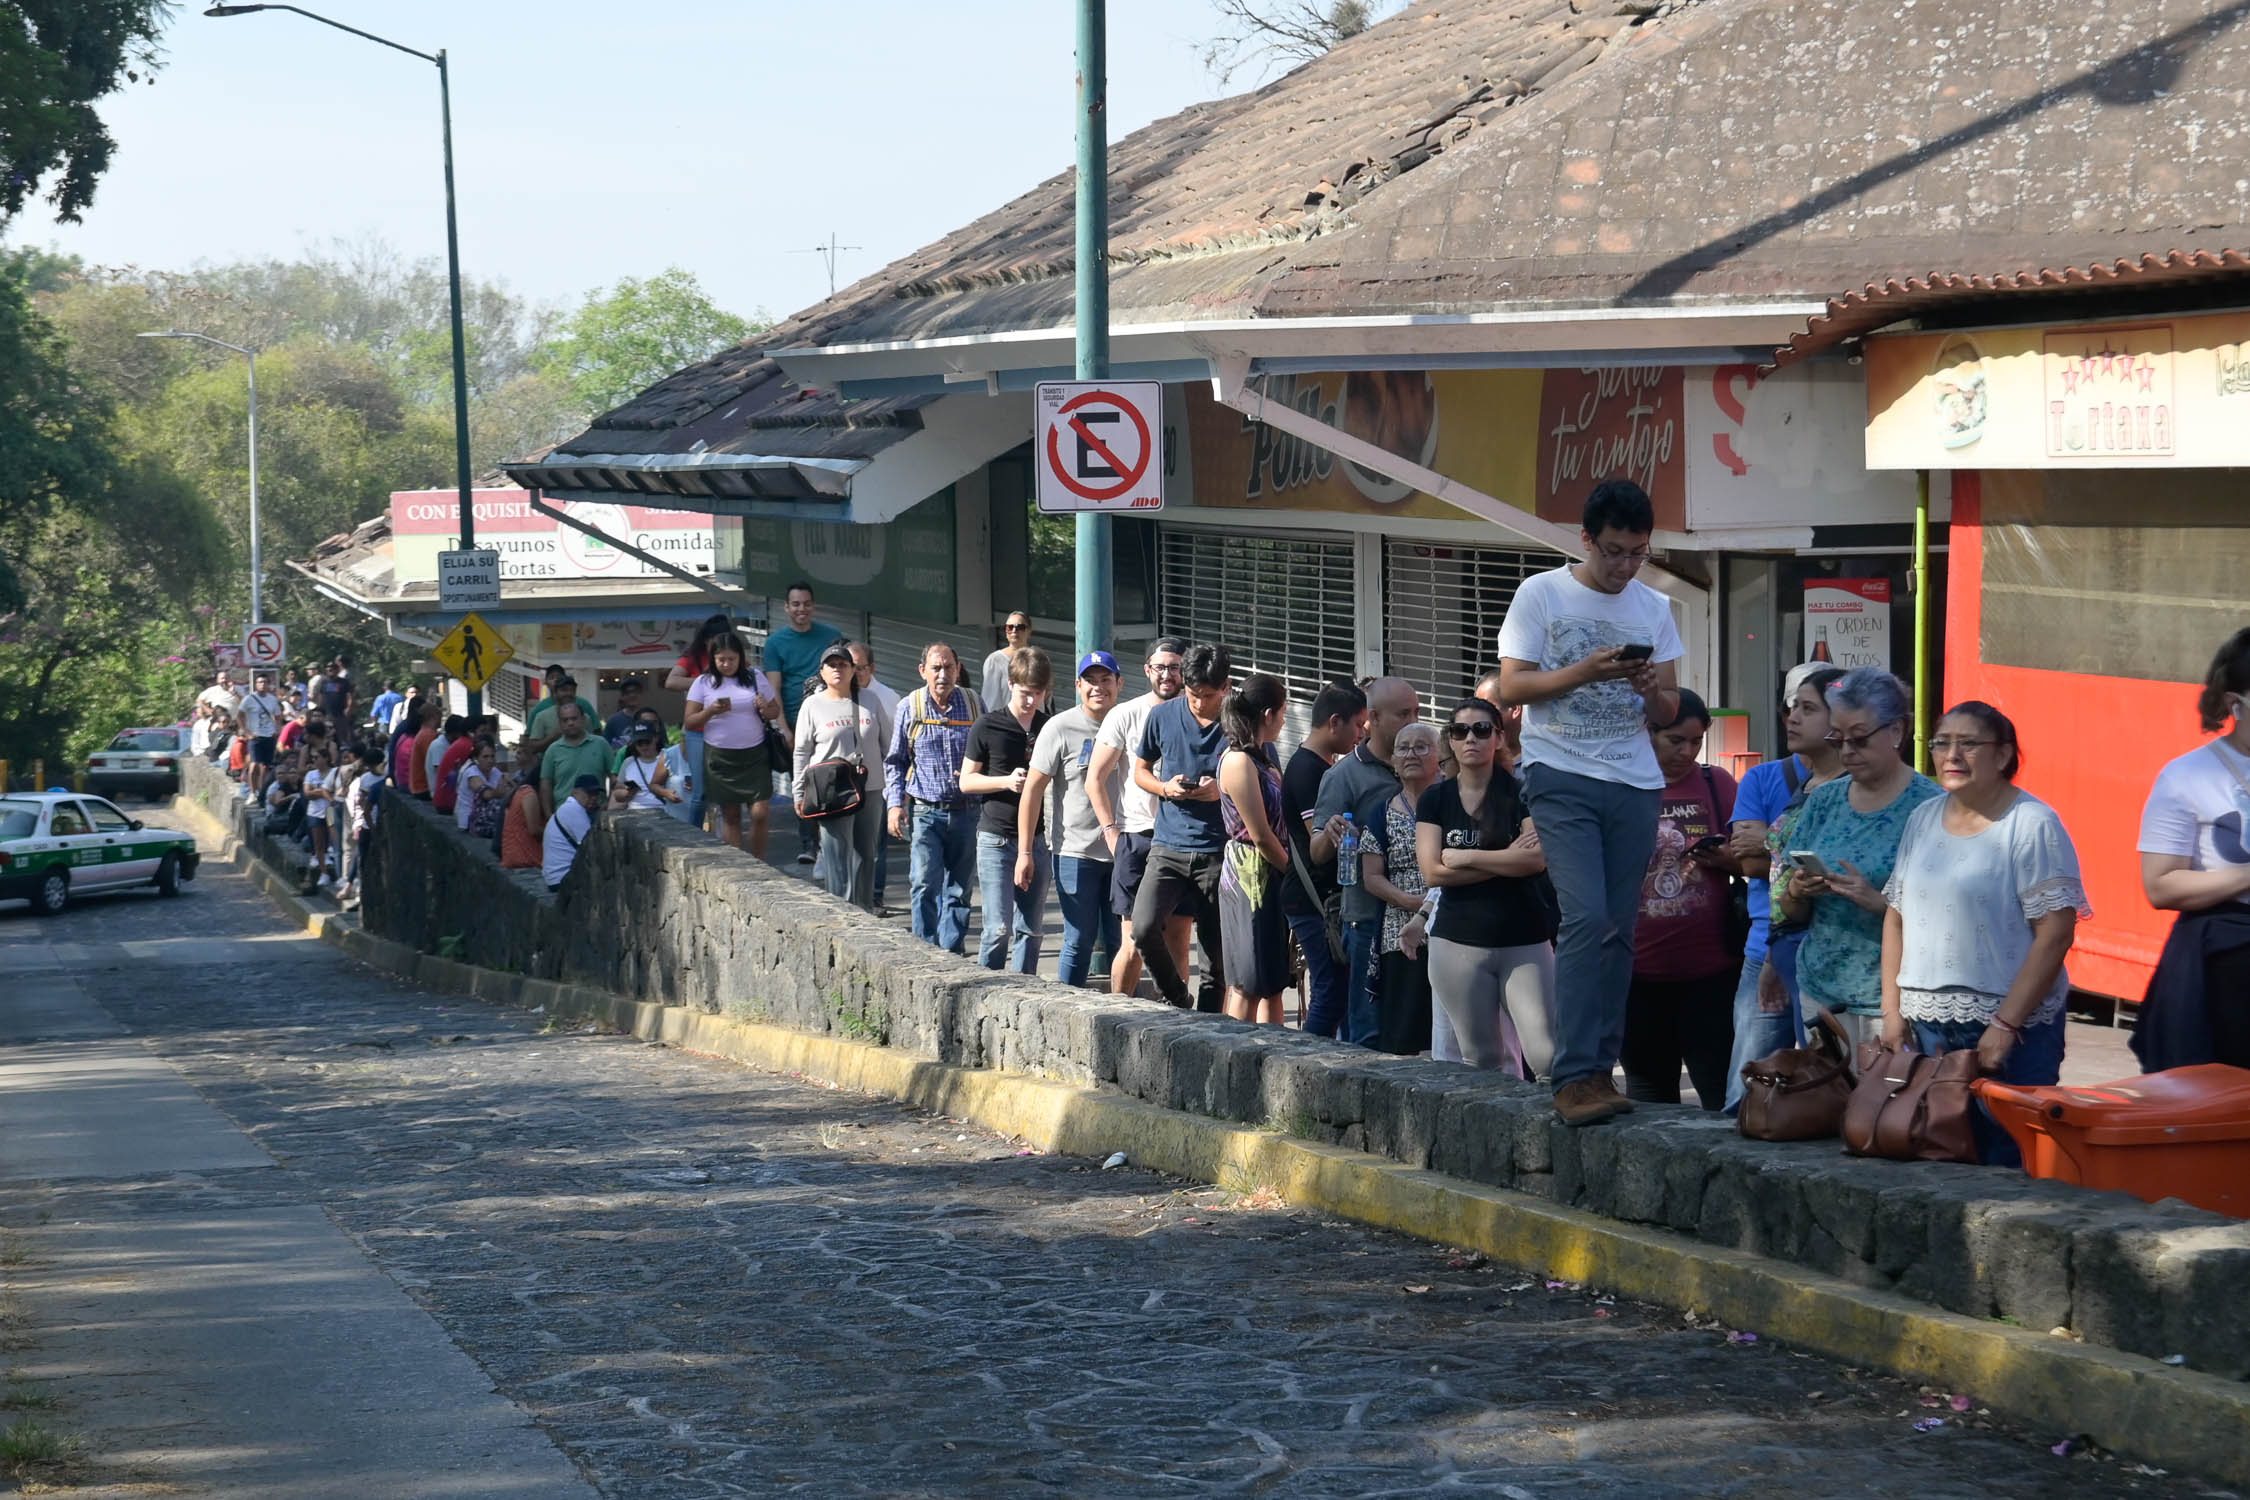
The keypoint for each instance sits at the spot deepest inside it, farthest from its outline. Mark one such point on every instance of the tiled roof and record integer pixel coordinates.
(1484, 155)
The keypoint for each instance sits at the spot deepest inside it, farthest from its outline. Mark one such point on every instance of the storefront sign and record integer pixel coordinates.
(2106, 395)
(651, 645)
(1848, 621)
(903, 569)
(1472, 425)
(1787, 447)
(532, 544)
(1619, 423)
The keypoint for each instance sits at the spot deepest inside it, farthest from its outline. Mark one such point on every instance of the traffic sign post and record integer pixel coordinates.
(265, 645)
(474, 653)
(1099, 445)
(468, 579)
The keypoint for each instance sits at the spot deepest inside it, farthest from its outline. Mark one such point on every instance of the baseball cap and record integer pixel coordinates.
(588, 783)
(836, 651)
(1100, 659)
(644, 730)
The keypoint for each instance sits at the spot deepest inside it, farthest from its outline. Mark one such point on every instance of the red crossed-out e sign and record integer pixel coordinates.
(1100, 445)
(264, 645)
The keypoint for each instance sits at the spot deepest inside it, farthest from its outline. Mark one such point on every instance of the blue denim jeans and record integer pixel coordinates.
(1324, 976)
(941, 862)
(1089, 921)
(1362, 1018)
(1013, 916)
(2035, 1062)
(1598, 836)
(1757, 1034)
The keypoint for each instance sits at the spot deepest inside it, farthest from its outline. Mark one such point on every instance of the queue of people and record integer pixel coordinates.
(1551, 881)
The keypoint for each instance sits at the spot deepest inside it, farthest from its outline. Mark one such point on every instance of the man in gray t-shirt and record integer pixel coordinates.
(1061, 763)
(1362, 784)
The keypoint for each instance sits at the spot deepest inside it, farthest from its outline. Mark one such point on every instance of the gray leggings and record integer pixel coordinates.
(1483, 990)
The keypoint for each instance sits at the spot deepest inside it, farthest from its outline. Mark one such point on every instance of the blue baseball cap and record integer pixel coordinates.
(1100, 659)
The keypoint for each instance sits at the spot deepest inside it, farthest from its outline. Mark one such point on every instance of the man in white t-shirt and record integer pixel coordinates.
(257, 718)
(1589, 650)
(221, 693)
(1127, 814)
(567, 829)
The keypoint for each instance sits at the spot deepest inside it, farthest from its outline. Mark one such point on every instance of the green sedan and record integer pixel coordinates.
(56, 845)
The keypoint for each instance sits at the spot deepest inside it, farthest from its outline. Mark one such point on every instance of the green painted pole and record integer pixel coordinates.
(1922, 621)
(462, 475)
(1097, 603)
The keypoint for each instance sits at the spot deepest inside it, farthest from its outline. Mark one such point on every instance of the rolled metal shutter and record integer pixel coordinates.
(1282, 603)
(1442, 607)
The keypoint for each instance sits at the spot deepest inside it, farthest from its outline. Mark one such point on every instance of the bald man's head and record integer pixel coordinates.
(1391, 704)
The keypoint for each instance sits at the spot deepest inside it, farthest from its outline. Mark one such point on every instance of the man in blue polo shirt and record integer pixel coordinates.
(1177, 763)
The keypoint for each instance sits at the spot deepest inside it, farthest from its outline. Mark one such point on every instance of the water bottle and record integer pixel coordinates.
(1347, 854)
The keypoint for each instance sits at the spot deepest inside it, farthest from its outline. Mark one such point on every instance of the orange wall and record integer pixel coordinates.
(2092, 747)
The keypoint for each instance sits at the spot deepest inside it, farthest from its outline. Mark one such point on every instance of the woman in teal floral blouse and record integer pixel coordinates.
(1854, 825)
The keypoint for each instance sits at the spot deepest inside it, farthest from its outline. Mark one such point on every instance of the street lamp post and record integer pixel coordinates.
(468, 534)
(1097, 605)
(257, 573)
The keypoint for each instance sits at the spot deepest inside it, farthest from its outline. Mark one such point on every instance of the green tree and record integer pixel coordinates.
(57, 59)
(622, 341)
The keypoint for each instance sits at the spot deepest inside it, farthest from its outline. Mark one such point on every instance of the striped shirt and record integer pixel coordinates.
(927, 746)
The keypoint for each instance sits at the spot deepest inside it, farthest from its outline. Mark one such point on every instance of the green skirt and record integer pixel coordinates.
(734, 778)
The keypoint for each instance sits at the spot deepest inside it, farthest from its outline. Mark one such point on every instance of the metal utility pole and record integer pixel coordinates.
(1097, 604)
(452, 264)
(257, 571)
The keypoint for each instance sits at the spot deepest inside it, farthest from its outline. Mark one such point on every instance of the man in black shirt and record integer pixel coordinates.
(994, 765)
(1339, 713)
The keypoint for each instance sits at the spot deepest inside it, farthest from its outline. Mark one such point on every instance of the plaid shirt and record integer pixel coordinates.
(927, 747)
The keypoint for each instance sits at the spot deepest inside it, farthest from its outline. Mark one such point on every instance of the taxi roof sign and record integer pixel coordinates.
(474, 652)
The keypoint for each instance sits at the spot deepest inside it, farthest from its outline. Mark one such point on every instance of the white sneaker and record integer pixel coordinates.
(326, 881)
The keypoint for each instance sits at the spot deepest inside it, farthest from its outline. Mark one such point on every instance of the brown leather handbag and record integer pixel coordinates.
(1909, 1106)
(1798, 1093)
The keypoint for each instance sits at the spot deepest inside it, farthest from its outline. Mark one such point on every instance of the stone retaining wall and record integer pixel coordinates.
(660, 912)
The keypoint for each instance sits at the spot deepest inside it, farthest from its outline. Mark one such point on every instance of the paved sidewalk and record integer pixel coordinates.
(209, 1330)
(705, 1281)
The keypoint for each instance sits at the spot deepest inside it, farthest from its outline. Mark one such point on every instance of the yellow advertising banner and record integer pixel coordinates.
(2168, 393)
(1533, 439)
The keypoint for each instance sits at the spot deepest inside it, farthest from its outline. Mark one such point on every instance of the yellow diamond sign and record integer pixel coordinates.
(474, 652)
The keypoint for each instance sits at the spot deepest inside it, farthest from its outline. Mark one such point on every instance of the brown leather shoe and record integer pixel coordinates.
(1585, 1101)
(1618, 1103)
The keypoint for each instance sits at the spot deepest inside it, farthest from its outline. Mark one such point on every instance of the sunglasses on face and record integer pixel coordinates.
(1481, 729)
(1014, 625)
(1854, 741)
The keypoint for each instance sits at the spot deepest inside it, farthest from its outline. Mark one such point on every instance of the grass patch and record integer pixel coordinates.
(21, 1395)
(14, 1251)
(27, 1448)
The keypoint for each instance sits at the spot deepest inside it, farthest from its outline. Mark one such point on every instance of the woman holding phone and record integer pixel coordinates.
(1843, 846)
(729, 703)
(1685, 961)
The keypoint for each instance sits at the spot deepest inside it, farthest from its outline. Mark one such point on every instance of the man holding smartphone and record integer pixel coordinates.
(1177, 763)
(1590, 651)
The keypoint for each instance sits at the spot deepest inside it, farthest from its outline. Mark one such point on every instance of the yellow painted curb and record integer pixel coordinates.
(2176, 1418)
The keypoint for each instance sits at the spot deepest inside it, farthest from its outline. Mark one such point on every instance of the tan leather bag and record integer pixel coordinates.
(1909, 1106)
(1798, 1093)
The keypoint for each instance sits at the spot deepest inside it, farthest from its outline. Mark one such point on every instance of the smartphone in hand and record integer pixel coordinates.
(1809, 862)
(1635, 651)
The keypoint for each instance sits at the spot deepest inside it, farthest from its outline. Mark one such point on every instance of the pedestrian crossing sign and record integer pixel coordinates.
(474, 652)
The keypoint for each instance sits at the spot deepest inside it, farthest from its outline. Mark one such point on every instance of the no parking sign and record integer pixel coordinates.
(265, 645)
(1100, 445)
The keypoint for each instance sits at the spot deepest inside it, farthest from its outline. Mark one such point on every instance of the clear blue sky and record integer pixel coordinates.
(595, 141)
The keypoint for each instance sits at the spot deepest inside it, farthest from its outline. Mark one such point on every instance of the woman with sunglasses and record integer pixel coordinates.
(1984, 901)
(1492, 963)
(1851, 829)
(1016, 635)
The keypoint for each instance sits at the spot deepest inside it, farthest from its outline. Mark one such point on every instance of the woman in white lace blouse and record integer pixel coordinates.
(1985, 898)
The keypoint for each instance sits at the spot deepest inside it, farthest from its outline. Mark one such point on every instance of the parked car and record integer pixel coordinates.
(57, 845)
(143, 761)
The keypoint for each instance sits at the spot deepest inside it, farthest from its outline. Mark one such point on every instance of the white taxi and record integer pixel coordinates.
(57, 845)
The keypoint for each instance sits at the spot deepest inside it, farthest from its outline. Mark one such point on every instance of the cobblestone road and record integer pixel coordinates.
(702, 1280)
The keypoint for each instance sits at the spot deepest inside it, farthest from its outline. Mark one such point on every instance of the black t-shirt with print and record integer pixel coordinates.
(1000, 743)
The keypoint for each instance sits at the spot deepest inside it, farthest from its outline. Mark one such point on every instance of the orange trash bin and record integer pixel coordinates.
(2183, 1133)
